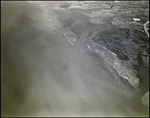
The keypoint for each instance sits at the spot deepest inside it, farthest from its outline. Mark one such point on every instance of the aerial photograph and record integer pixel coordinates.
(75, 58)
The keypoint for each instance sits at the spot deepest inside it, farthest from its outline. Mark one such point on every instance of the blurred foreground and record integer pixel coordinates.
(74, 59)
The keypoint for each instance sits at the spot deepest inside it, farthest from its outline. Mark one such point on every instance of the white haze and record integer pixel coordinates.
(44, 74)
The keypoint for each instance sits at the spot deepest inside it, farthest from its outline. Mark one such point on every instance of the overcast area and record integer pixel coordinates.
(71, 58)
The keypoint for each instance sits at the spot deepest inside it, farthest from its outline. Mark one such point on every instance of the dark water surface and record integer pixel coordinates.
(74, 58)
